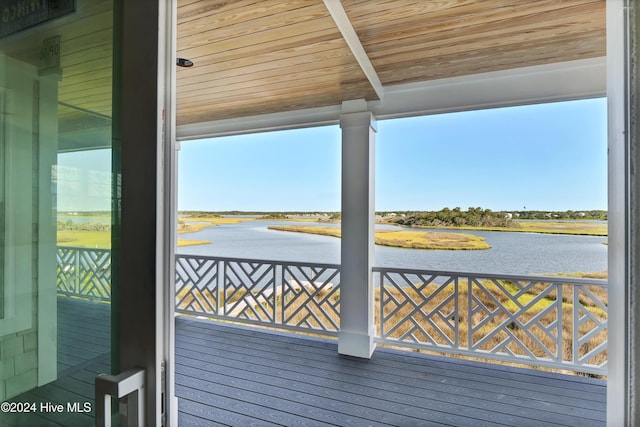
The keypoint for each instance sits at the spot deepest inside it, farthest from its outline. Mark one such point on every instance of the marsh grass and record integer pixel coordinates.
(102, 239)
(204, 299)
(403, 238)
(543, 227)
(187, 242)
(191, 225)
(561, 227)
(84, 238)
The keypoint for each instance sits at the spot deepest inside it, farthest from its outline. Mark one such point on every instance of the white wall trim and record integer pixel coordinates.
(563, 81)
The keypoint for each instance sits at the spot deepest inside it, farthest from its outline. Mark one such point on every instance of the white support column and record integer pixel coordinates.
(623, 331)
(357, 328)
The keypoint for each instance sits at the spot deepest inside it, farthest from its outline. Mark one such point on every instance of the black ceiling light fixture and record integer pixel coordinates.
(184, 62)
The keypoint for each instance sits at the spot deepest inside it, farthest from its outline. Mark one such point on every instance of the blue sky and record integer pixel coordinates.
(544, 157)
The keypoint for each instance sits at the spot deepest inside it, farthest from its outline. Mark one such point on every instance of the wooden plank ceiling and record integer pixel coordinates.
(262, 56)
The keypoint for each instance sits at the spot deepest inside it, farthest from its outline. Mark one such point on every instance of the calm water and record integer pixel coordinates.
(511, 253)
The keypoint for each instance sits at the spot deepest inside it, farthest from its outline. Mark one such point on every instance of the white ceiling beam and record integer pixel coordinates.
(563, 81)
(349, 34)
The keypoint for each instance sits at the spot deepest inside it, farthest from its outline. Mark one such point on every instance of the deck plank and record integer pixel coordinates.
(290, 399)
(400, 380)
(344, 404)
(405, 381)
(551, 382)
(205, 415)
(446, 369)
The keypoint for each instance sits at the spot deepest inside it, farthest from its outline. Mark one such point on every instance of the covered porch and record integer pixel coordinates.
(273, 65)
(352, 63)
(303, 64)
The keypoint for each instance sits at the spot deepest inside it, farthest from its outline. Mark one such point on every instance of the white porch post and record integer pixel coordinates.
(357, 329)
(623, 382)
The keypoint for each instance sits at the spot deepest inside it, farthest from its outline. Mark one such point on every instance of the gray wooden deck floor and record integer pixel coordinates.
(229, 375)
(240, 376)
(83, 353)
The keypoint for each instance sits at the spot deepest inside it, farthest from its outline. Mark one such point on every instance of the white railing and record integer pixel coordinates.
(298, 296)
(84, 273)
(555, 322)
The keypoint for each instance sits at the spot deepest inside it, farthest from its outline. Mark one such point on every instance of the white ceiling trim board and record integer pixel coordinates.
(319, 116)
(349, 34)
(565, 81)
(562, 81)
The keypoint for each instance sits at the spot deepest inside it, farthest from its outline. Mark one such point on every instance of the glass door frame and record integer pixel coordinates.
(145, 295)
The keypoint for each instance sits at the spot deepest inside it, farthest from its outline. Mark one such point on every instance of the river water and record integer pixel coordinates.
(511, 253)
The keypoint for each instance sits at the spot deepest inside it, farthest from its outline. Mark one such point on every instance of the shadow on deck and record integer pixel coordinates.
(234, 375)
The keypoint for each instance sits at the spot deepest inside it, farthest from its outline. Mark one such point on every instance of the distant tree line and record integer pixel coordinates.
(200, 214)
(275, 216)
(479, 217)
(592, 215)
(474, 217)
(69, 225)
(85, 213)
(209, 214)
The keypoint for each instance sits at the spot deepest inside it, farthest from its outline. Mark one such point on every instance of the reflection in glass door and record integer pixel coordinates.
(55, 208)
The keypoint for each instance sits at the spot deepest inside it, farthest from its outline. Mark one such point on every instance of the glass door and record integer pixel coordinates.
(56, 168)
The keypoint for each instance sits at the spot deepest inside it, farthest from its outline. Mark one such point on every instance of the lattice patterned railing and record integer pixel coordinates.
(84, 273)
(545, 321)
(299, 296)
